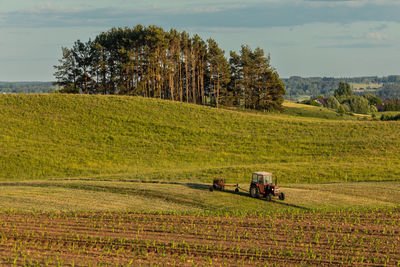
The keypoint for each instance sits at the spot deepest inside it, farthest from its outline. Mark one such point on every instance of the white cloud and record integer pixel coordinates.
(378, 36)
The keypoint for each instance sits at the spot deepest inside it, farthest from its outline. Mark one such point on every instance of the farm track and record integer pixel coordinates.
(339, 238)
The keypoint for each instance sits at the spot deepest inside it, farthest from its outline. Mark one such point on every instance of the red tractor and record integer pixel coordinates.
(262, 186)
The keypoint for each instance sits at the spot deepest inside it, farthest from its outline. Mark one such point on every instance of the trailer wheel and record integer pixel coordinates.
(268, 197)
(282, 196)
(211, 188)
(236, 190)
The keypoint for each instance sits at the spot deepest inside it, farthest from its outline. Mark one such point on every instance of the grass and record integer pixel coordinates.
(117, 137)
(301, 110)
(81, 195)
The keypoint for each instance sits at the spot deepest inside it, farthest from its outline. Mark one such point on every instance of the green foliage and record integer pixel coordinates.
(219, 73)
(58, 136)
(341, 109)
(343, 92)
(387, 117)
(373, 100)
(332, 103)
(358, 104)
(391, 105)
(311, 102)
(349, 102)
(150, 62)
(256, 80)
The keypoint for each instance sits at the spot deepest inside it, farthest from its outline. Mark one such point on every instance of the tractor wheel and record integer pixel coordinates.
(254, 192)
(236, 190)
(282, 196)
(268, 197)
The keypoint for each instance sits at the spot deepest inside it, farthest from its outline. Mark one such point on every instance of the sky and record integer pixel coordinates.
(308, 38)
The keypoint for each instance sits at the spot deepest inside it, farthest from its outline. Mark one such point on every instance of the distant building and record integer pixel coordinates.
(321, 101)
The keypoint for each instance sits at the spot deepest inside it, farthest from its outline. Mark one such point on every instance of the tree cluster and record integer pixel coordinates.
(151, 62)
(390, 105)
(344, 100)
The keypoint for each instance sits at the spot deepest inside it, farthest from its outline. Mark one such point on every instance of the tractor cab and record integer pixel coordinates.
(262, 185)
(262, 178)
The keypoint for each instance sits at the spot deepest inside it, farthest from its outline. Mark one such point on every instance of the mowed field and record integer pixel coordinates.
(180, 197)
(109, 180)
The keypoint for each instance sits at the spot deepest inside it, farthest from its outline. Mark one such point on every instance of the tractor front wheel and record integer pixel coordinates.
(282, 196)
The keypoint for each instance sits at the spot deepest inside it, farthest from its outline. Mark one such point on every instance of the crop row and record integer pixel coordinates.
(123, 238)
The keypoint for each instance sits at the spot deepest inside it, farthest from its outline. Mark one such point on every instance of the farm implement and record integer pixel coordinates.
(261, 186)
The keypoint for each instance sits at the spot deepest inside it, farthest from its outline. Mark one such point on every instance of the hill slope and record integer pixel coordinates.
(59, 136)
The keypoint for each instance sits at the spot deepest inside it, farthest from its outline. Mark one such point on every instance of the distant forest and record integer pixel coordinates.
(27, 87)
(298, 88)
(152, 62)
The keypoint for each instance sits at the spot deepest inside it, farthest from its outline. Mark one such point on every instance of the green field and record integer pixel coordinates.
(115, 137)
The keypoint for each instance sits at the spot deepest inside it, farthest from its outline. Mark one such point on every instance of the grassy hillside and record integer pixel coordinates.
(58, 136)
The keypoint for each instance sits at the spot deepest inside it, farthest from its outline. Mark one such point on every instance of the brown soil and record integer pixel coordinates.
(344, 238)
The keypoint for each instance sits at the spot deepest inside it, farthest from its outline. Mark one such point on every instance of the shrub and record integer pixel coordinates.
(358, 104)
(311, 102)
(332, 103)
(386, 117)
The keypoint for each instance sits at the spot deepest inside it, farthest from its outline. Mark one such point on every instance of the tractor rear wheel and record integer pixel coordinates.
(254, 192)
(282, 196)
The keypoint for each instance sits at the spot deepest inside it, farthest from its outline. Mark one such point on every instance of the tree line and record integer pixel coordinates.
(27, 87)
(385, 87)
(151, 62)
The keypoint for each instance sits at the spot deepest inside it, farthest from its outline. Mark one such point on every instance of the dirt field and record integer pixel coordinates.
(69, 238)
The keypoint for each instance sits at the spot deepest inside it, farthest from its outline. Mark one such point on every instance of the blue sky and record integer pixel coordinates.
(335, 38)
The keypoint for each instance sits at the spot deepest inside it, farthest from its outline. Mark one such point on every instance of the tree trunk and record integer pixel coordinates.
(217, 102)
(85, 81)
(180, 80)
(186, 77)
(193, 76)
(171, 85)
